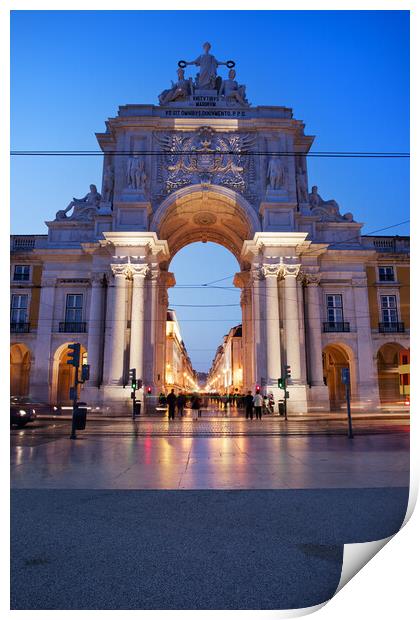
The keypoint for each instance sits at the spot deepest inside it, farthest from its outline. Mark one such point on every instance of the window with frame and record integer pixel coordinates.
(74, 308)
(389, 309)
(386, 274)
(19, 308)
(334, 309)
(21, 273)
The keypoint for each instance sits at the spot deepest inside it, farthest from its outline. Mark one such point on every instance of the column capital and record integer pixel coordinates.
(270, 270)
(290, 271)
(256, 273)
(97, 279)
(309, 278)
(120, 269)
(140, 271)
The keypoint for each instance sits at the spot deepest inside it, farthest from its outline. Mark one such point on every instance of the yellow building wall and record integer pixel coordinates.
(403, 277)
(372, 296)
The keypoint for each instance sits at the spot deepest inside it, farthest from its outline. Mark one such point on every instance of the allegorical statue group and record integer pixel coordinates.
(206, 79)
(190, 160)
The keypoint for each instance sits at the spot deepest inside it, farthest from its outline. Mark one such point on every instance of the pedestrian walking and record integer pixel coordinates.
(196, 406)
(171, 400)
(258, 404)
(180, 404)
(249, 405)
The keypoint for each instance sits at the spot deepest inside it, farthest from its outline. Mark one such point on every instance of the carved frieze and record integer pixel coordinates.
(205, 156)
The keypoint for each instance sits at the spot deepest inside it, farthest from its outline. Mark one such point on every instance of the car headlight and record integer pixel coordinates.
(33, 410)
(22, 412)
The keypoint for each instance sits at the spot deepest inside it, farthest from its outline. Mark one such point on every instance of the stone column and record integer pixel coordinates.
(367, 380)
(139, 273)
(271, 273)
(243, 281)
(117, 323)
(247, 345)
(95, 328)
(313, 313)
(40, 378)
(290, 273)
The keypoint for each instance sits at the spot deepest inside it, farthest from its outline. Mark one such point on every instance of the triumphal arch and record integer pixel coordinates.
(204, 164)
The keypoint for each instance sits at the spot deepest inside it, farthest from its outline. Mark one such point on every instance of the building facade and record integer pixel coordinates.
(204, 165)
(179, 373)
(226, 372)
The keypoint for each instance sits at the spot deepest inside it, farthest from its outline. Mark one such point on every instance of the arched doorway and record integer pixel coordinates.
(205, 315)
(388, 376)
(335, 357)
(20, 368)
(63, 375)
(205, 213)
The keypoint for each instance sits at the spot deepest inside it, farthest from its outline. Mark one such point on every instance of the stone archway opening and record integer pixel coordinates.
(335, 357)
(20, 368)
(211, 215)
(388, 375)
(205, 213)
(63, 375)
(204, 313)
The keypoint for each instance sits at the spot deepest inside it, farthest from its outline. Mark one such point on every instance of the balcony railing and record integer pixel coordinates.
(20, 327)
(337, 326)
(386, 277)
(391, 328)
(72, 327)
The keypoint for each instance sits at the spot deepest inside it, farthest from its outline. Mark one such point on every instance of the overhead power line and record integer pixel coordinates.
(98, 153)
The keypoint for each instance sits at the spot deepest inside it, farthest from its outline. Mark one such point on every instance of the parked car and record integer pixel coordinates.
(22, 411)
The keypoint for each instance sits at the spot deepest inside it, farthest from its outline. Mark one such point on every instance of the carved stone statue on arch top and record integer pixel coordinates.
(84, 209)
(328, 210)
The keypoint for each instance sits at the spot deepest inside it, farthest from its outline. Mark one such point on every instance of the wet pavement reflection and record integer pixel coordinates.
(113, 455)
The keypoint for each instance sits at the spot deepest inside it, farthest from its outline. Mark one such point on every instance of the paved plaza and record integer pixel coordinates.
(208, 514)
(211, 454)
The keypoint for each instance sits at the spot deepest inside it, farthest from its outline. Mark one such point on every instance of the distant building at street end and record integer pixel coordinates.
(226, 372)
(179, 373)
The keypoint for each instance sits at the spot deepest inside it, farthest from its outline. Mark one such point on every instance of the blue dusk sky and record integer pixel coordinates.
(344, 73)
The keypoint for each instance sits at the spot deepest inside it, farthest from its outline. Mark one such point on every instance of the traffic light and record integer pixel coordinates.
(288, 372)
(149, 390)
(257, 388)
(73, 354)
(139, 384)
(132, 378)
(280, 383)
(85, 372)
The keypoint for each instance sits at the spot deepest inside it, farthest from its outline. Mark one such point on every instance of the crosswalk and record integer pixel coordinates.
(218, 427)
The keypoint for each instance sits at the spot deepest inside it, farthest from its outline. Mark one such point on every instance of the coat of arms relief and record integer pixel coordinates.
(205, 156)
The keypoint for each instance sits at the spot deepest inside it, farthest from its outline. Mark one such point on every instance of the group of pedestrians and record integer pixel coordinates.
(253, 403)
(178, 402)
